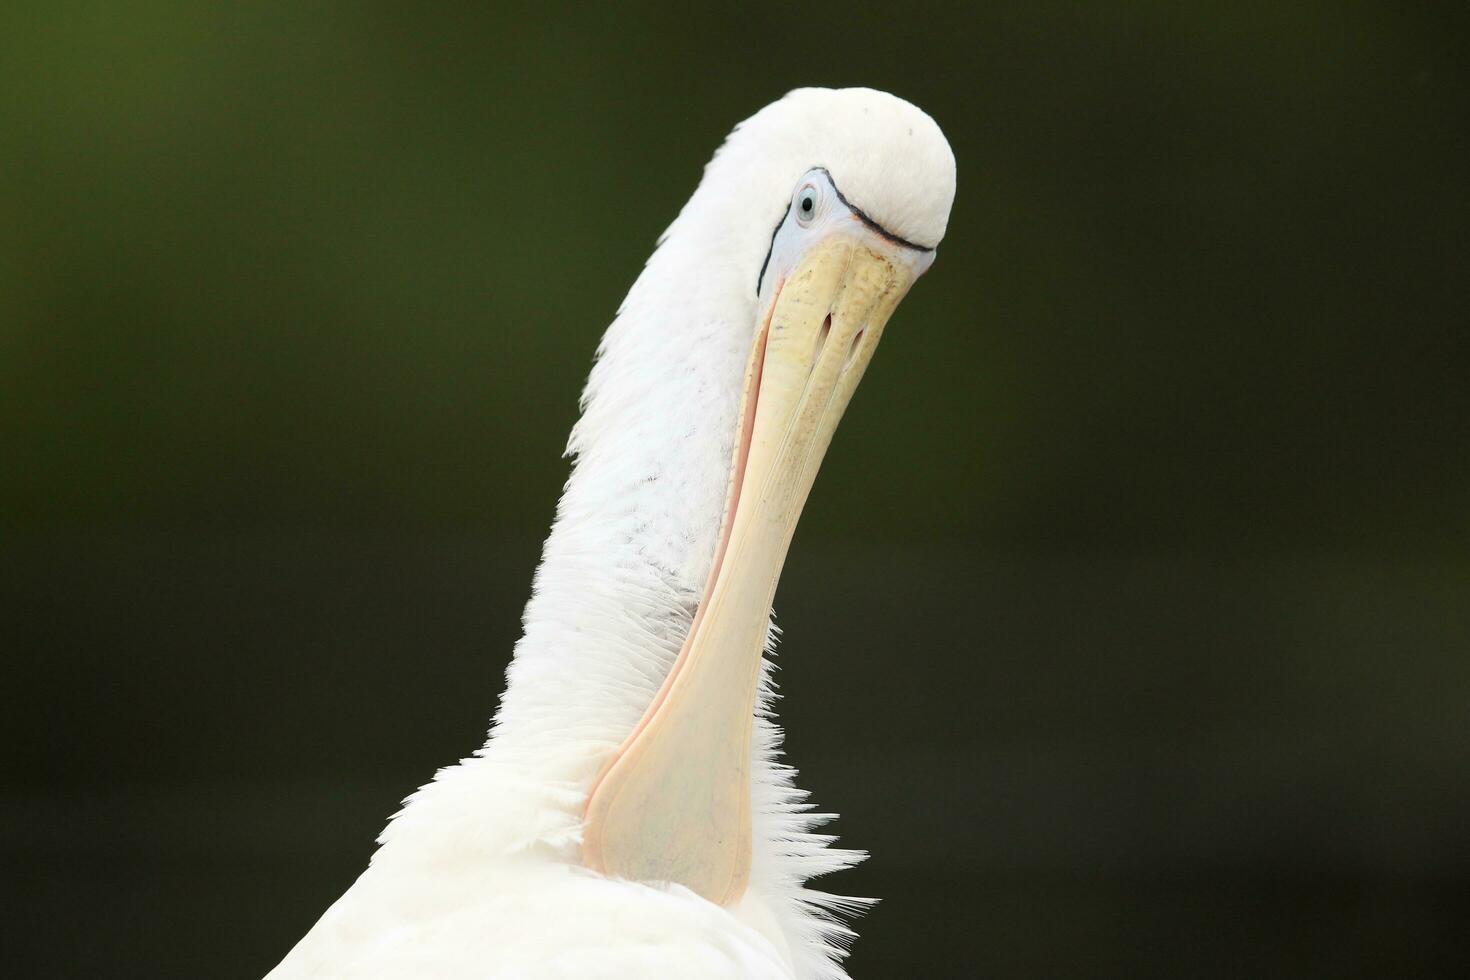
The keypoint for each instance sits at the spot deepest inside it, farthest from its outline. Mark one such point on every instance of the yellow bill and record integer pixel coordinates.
(674, 803)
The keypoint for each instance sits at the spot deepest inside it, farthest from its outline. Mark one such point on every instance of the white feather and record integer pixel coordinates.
(479, 875)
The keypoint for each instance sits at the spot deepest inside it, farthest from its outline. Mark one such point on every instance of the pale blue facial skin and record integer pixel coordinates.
(817, 210)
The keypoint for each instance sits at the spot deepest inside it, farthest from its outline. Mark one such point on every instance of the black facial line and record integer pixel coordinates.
(771, 249)
(861, 216)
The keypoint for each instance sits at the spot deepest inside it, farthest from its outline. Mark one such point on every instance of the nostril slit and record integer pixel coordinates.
(822, 338)
(857, 341)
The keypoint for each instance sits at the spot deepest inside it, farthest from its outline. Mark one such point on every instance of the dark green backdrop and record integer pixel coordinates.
(1150, 658)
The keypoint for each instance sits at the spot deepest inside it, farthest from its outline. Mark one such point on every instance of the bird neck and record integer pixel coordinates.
(623, 569)
(622, 574)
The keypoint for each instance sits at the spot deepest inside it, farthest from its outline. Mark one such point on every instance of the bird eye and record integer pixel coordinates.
(808, 200)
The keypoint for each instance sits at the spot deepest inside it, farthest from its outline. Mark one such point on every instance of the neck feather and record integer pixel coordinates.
(637, 525)
(621, 577)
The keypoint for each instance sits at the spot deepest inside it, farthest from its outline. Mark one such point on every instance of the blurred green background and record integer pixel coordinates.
(1150, 658)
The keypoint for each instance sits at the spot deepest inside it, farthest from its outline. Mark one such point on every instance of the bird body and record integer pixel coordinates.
(485, 872)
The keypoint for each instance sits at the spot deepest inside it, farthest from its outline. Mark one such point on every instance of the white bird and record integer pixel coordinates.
(628, 816)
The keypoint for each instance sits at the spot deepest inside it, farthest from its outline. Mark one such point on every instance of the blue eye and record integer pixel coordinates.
(808, 200)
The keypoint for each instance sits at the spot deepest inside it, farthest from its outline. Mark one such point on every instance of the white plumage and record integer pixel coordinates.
(480, 874)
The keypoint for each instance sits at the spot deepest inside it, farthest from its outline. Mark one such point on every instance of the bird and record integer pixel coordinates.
(629, 815)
